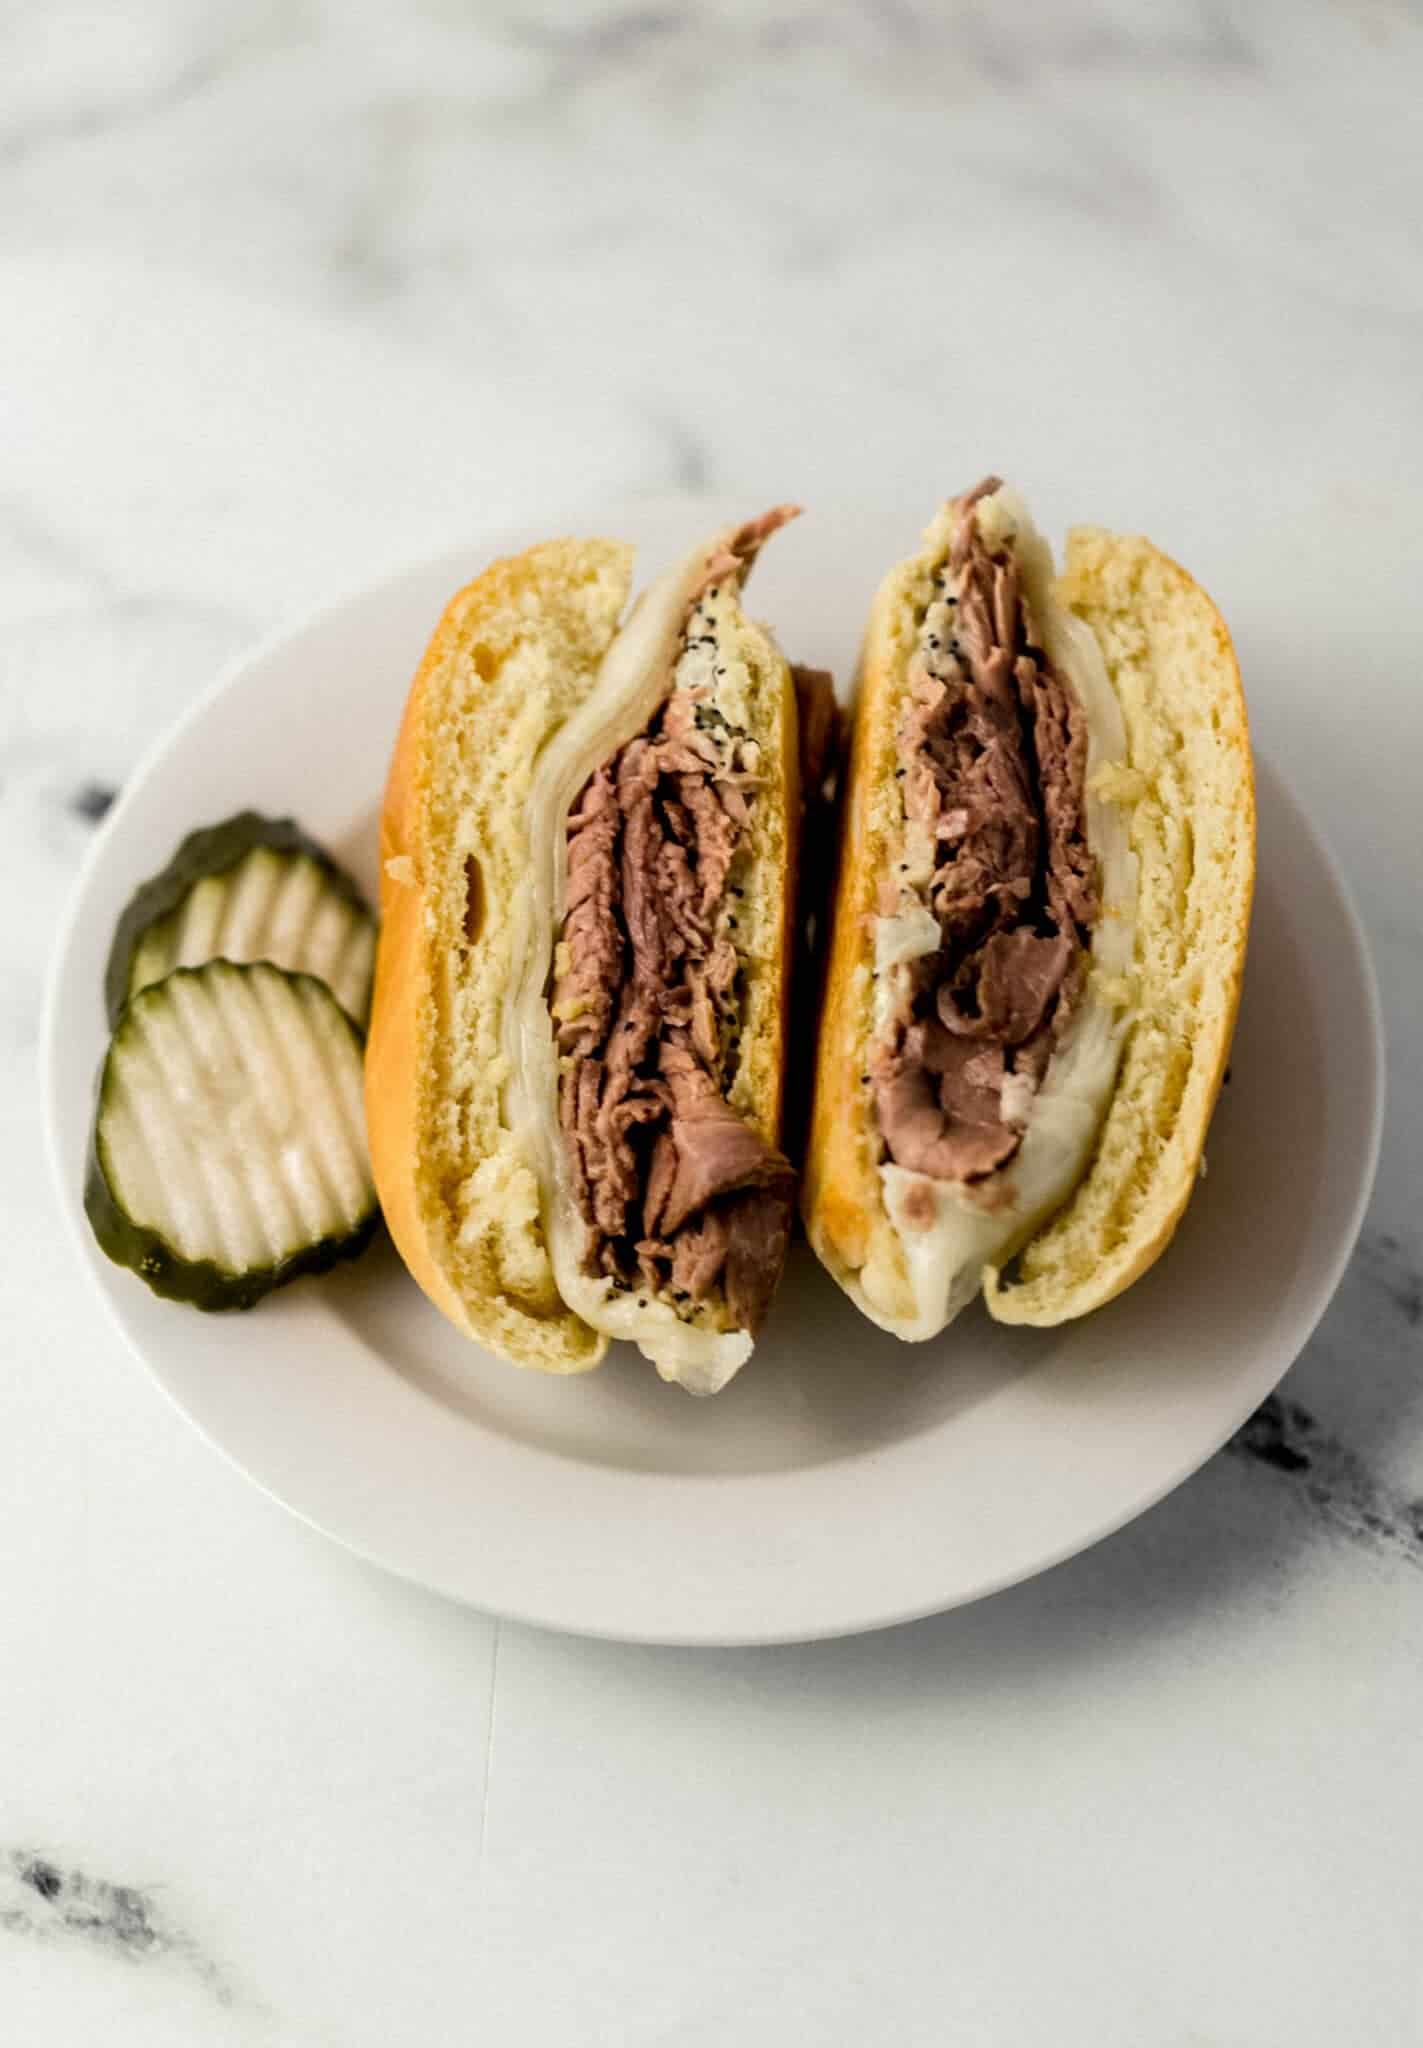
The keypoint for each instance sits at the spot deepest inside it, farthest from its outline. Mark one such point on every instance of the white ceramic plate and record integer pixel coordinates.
(843, 1481)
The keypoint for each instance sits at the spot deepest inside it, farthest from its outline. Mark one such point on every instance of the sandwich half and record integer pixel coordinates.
(1047, 859)
(576, 1053)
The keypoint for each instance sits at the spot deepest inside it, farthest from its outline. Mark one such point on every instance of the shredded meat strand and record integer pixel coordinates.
(993, 747)
(680, 1193)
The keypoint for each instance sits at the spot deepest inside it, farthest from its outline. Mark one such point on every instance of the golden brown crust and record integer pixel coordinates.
(392, 1076)
(840, 1191)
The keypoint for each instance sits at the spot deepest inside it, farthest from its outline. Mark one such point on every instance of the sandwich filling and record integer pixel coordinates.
(682, 1199)
(993, 755)
(1005, 928)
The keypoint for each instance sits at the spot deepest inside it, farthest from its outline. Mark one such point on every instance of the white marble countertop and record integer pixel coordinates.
(295, 293)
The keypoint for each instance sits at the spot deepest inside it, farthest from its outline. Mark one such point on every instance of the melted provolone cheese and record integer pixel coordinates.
(950, 1230)
(631, 685)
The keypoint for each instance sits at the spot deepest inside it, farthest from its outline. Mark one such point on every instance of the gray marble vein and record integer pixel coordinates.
(134, 95)
(1331, 1479)
(92, 801)
(42, 1900)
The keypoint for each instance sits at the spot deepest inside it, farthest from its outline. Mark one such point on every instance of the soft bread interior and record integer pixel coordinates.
(514, 656)
(1193, 829)
(754, 692)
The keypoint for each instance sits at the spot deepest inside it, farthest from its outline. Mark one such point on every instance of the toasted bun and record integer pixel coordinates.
(513, 655)
(844, 1212)
(1173, 670)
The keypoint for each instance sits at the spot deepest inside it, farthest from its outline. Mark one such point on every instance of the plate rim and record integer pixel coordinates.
(229, 678)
